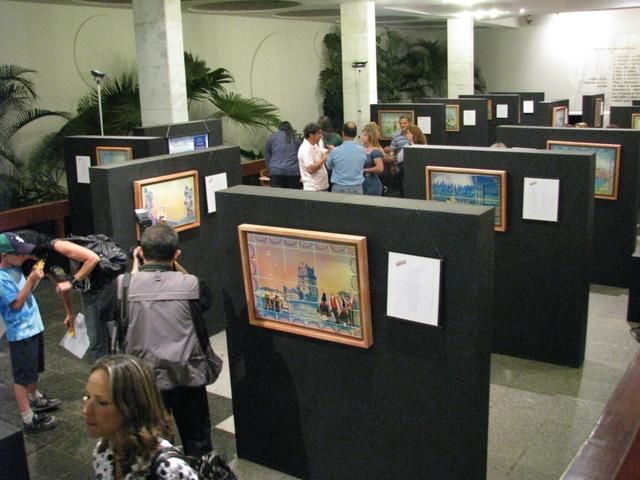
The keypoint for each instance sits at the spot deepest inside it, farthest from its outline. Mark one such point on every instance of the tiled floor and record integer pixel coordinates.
(540, 414)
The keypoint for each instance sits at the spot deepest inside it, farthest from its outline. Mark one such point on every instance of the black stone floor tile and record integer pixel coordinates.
(50, 462)
(220, 408)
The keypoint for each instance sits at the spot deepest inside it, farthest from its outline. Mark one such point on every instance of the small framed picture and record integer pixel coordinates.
(559, 116)
(113, 155)
(635, 121)
(389, 122)
(173, 199)
(598, 110)
(452, 118)
(472, 187)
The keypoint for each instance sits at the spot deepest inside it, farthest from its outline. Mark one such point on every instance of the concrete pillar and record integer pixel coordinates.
(459, 57)
(160, 59)
(359, 84)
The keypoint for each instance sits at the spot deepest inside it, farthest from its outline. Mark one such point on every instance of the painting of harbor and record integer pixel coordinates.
(605, 185)
(306, 282)
(470, 186)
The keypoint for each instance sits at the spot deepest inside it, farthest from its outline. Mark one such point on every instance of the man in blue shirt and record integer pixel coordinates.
(346, 162)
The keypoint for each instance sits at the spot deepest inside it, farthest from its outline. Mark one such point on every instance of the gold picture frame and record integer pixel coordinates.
(309, 283)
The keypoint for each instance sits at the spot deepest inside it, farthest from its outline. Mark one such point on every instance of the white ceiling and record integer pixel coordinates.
(387, 11)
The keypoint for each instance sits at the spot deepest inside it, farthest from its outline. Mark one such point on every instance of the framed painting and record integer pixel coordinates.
(635, 121)
(452, 118)
(389, 121)
(607, 164)
(470, 186)
(598, 109)
(489, 109)
(113, 155)
(559, 116)
(172, 199)
(309, 283)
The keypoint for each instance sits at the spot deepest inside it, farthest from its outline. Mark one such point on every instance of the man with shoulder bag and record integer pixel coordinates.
(160, 321)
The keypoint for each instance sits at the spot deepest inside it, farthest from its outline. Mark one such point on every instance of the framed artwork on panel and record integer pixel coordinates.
(113, 155)
(171, 199)
(389, 121)
(559, 116)
(452, 118)
(489, 109)
(308, 283)
(635, 121)
(470, 186)
(607, 164)
(598, 109)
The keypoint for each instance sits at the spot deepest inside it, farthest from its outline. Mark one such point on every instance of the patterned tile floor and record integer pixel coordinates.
(540, 414)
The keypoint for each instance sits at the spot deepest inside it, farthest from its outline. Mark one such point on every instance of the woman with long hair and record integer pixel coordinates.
(281, 157)
(123, 407)
(374, 166)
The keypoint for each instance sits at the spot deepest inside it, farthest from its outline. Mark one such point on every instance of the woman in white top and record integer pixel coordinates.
(123, 407)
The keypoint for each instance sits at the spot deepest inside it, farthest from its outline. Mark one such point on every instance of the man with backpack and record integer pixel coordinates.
(72, 263)
(161, 321)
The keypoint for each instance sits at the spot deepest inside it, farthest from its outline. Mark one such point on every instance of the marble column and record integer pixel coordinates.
(459, 57)
(160, 60)
(359, 83)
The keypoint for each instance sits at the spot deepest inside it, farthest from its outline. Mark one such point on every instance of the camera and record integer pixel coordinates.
(97, 74)
(142, 218)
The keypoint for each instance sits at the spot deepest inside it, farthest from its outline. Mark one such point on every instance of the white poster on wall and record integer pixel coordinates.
(413, 289)
(541, 199)
(527, 106)
(502, 110)
(424, 123)
(469, 118)
(83, 163)
(212, 184)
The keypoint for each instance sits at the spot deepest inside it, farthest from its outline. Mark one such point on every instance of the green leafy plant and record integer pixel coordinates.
(330, 79)
(23, 180)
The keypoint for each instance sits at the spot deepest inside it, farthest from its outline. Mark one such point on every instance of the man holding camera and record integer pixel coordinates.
(161, 322)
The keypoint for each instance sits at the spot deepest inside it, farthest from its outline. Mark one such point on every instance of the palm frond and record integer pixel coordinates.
(251, 113)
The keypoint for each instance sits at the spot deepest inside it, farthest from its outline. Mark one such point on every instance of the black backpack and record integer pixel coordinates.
(210, 466)
(113, 259)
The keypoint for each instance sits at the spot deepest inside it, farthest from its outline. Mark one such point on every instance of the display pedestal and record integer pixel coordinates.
(13, 457)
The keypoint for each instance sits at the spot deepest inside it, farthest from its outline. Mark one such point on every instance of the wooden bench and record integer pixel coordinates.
(612, 450)
(45, 212)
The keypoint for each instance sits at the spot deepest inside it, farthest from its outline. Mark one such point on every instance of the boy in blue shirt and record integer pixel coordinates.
(19, 310)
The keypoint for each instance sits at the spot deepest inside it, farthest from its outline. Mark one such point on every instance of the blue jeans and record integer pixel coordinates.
(355, 189)
(98, 308)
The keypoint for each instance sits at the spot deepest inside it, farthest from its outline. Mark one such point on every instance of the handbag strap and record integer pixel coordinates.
(122, 320)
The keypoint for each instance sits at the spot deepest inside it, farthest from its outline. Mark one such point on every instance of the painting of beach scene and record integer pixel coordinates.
(389, 122)
(172, 199)
(306, 282)
(607, 164)
(472, 187)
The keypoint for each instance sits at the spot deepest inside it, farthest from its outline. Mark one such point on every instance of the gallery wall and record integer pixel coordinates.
(414, 404)
(64, 42)
(541, 276)
(112, 204)
(614, 225)
(564, 55)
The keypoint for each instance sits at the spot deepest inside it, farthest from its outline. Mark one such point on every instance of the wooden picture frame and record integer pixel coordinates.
(489, 109)
(607, 164)
(559, 116)
(113, 155)
(389, 122)
(173, 199)
(635, 121)
(452, 118)
(309, 283)
(598, 110)
(470, 186)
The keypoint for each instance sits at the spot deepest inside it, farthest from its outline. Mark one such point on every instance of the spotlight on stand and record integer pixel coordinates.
(98, 76)
(359, 64)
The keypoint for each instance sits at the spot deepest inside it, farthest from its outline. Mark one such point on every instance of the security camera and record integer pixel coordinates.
(528, 19)
(359, 64)
(97, 74)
